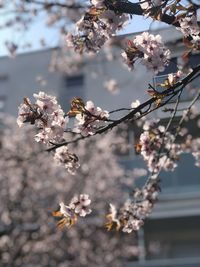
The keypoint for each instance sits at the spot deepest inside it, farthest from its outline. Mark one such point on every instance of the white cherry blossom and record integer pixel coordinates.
(69, 160)
(80, 204)
(150, 49)
(89, 121)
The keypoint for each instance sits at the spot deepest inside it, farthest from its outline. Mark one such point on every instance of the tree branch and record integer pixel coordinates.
(170, 92)
(127, 7)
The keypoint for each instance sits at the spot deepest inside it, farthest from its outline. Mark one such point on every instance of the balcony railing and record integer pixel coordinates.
(184, 262)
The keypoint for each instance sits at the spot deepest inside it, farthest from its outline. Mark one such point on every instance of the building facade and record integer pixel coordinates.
(171, 236)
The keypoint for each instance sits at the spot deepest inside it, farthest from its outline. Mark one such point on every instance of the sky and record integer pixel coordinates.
(39, 30)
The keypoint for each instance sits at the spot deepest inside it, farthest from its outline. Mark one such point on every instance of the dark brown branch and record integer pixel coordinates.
(170, 92)
(127, 7)
(177, 129)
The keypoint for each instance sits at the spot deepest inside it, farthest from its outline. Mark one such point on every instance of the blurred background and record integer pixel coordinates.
(34, 58)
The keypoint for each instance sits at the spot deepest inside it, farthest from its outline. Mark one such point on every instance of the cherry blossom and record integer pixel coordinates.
(68, 218)
(130, 217)
(95, 25)
(80, 205)
(151, 141)
(95, 28)
(32, 185)
(70, 161)
(112, 218)
(150, 49)
(90, 119)
(47, 116)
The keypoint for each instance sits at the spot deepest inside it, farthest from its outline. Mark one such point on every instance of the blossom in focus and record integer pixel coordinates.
(27, 113)
(80, 204)
(95, 28)
(150, 49)
(46, 114)
(91, 119)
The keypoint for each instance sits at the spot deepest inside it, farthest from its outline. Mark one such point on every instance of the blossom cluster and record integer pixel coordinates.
(132, 215)
(50, 121)
(63, 157)
(158, 149)
(96, 27)
(46, 114)
(172, 79)
(88, 117)
(190, 28)
(79, 205)
(150, 49)
(47, 184)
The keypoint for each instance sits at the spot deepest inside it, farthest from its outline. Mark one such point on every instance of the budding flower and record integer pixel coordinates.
(68, 218)
(79, 205)
(112, 220)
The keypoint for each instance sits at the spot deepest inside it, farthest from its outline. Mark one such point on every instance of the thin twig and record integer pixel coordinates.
(168, 92)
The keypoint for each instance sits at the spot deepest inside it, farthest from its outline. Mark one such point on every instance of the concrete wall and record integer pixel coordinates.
(22, 72)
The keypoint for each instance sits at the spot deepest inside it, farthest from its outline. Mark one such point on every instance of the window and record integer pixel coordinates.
(75, 81)
(171, 242)
(72, 86)
(172, 238)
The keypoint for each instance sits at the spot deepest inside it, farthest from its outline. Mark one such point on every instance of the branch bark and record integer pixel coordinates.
(127, 7)
(170, 92)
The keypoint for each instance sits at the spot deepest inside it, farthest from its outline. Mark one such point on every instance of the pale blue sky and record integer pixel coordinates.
(38, 30)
